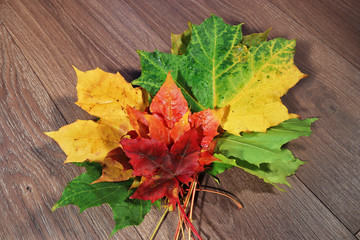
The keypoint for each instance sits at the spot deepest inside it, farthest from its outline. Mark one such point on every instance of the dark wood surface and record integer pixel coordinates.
(42, 39)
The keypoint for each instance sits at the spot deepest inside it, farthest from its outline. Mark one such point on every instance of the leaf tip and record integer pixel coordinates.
(267, 33)
(313, 119)
(56, 206)
(77, 71)
(293, 115)
(68, 160)
(48, 134)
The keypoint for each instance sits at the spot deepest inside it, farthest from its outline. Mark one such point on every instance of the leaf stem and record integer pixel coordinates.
(176, 237)
(159, 223)
(188, 221)
(222, 194)
(186, 202)
(193, 191)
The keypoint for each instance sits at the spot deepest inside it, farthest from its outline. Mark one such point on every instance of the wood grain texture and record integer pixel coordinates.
(358, 235)
(38, 90)
(337, 25)
(32, 172)
(295, 214)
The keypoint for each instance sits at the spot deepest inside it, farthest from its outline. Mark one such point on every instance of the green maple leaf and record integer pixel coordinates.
(83, 193)
(261, 154)
(221, 68)
(196, 61)
(180, 42)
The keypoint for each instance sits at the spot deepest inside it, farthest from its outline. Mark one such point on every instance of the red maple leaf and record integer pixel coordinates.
(162, 168)
(171, 146)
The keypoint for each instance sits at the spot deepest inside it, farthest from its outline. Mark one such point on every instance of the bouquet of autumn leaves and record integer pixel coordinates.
(215, 104)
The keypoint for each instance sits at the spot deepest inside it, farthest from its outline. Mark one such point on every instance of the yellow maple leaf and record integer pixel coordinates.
(104, 95)
(86, 140)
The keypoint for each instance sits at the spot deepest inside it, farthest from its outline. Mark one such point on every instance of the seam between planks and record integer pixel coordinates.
(314, 35)
(332, 213)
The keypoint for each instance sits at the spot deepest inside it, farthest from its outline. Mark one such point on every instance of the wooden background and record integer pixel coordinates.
(42, 39)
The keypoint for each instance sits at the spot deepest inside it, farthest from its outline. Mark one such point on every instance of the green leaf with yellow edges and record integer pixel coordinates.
(219, 70)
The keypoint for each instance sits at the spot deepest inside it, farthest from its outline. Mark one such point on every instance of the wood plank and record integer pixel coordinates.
(53, 42)
(358, 235)
(295, 214)
(337, 25)
(32, 174)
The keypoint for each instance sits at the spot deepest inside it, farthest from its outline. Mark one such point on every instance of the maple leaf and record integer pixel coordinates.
(219, 70)
(163, 168)
(261, 154)
(82, 192)
(106, 96)
(138, 121)
(158, 129)
(173, 147)
(180, 127)
(209, 123)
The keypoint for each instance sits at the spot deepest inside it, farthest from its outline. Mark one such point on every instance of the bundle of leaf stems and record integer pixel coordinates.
(187, 219)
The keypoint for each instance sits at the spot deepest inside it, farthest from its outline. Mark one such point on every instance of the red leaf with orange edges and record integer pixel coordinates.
(169, 102)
